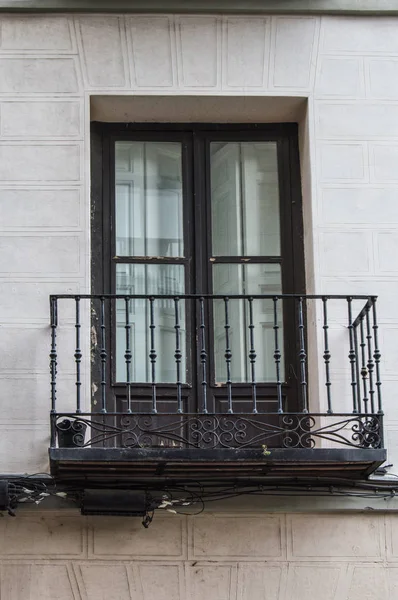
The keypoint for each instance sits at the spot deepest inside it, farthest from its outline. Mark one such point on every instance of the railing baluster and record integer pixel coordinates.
(203, 353)
(327, 355)
(377, 357)
(78, 355)
(364, 370)
(103, 354)
(252, 356)
(152, 353)
(228, 356)
(302, 356)
(352, 357)
(53, 367)
(277, 356)
(370, 363)
(128, 353)
(53, 360)
(357, 374)
(178, 353)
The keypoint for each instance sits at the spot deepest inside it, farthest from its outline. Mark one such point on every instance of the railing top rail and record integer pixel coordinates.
(368, 298)
(225, 414)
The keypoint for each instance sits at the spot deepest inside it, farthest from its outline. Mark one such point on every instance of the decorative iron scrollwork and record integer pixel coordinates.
(206, 431)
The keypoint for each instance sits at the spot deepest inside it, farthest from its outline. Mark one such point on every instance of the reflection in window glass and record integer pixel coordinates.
(247, 279)
(148, 199)
(244, 199)
(150, 279)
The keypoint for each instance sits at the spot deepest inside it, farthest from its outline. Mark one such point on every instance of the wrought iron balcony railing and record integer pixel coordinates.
(203, 372)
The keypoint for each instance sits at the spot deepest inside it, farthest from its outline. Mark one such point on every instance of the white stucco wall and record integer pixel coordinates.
(217, 557)
(51, 67)
(346, 70)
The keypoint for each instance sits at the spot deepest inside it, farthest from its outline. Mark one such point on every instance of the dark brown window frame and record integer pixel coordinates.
(195, 140)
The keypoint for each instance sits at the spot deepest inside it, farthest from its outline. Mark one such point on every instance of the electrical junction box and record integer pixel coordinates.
(128, 503)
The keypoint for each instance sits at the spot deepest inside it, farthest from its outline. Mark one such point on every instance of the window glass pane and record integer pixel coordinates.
(148, 199)
(244, 199)
(247, 279)
(150, 279)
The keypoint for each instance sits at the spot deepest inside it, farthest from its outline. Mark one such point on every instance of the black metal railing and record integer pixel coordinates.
(212, 371)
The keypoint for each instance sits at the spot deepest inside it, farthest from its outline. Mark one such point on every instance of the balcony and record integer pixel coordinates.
(214, 389)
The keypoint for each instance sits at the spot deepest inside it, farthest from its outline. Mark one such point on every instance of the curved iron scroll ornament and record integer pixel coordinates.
(71, 432)
(207, 431)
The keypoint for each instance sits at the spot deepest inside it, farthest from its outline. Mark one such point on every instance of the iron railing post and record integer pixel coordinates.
(327, 355)
(252, 357)
(377, 356)
(352, 357)
(203, 353)
(78, 355)
(53, 365)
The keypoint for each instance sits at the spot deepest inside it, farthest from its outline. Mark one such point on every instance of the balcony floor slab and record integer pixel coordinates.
(142, 466)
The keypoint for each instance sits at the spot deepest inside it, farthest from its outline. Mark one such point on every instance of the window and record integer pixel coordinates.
(191, 210)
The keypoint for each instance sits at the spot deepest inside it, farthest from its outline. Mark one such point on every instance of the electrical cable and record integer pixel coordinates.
(32, 489)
